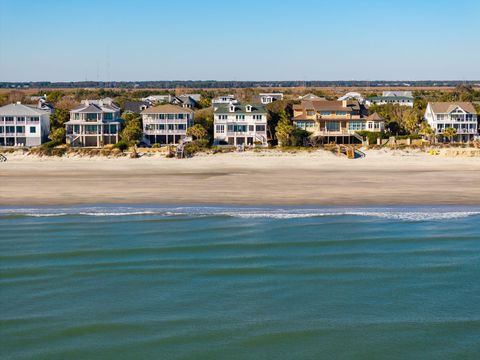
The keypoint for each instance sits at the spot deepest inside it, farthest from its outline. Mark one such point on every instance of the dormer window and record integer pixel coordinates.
(232, 108)
(248, 108)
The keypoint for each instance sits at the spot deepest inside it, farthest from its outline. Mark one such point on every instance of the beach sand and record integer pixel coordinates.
(252, 178)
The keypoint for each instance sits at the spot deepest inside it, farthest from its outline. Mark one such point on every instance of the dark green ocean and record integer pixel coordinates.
(166, 282)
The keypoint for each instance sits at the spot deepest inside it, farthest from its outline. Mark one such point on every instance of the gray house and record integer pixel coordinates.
(23, 125)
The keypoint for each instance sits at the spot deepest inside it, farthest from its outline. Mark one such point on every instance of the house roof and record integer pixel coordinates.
(21, 110)
(95, 106)
(240, 109)
(391, 98)
(374, 117)
(311, 96)
(446, 107)
(187, 99)
(324, 105)
(167, 109)
(135, 106)
(398, 93)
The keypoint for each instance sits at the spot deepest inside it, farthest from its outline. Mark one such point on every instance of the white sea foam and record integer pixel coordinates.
(392, 213)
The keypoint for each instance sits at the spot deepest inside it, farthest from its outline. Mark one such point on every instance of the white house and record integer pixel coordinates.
(158, 99)
(94, 123)
(461, 116)
(352, 96)
(23, 125)
(225, 99)
(238, 124)
(267, 98)
(166, 124)
(402, 98)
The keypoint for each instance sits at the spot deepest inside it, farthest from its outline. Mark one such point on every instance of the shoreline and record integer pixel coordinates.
(318, 178)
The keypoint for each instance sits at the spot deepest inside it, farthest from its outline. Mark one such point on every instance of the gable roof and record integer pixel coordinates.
(446, 107)
(95, 106)
(21, 110)
(374, 117)
(135, 106)
(240, 108)
(167, 109)
(311, 96)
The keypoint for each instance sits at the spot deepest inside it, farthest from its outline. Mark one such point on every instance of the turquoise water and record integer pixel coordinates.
(240, 283)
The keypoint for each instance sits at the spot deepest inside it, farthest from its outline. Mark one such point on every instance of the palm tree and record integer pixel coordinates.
(426, 130)
(450, 133)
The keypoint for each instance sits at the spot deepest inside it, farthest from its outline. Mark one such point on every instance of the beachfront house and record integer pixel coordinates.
(335, 121)
(461, 116)
(23, 125)
(240, 124)
(402, 98)
(267, 98)
(166, 124)
(94, 123)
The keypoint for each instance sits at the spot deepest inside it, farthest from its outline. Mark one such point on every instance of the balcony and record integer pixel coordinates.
(460, 131)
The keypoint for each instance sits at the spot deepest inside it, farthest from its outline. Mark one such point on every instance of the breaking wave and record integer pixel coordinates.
(412, 213)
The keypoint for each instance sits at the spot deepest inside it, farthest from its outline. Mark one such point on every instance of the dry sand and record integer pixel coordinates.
(270, 177)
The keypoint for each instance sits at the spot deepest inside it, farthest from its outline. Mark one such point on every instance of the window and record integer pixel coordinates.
(310, 113)
(2, 129)
(341, 113)
(90, 129)
(260, 127)
(220, 128)
(76, 116)
(33, 129)
(240, 117)
(10, 129)
(9, 118)
(240, 128)
(356, 125)
(21, 119)
(181, 126)
(333, 126)
(108, 116)
(20, 129)
(170, 126)
(160, 126)
(170, 116)
(91, 117)
(325, 113)
(222, 117)
(257, 117)
(251, 128)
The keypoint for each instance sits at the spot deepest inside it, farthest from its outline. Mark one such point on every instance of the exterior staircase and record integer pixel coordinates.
(180, 151)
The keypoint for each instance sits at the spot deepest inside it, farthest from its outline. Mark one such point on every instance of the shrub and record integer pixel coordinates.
(156, 146)
(51, 144)
(122, 145)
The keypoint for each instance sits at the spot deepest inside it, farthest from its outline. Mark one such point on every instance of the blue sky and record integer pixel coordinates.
(60, 40)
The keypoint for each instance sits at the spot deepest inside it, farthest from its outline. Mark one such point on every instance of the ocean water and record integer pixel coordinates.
(166, 282)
